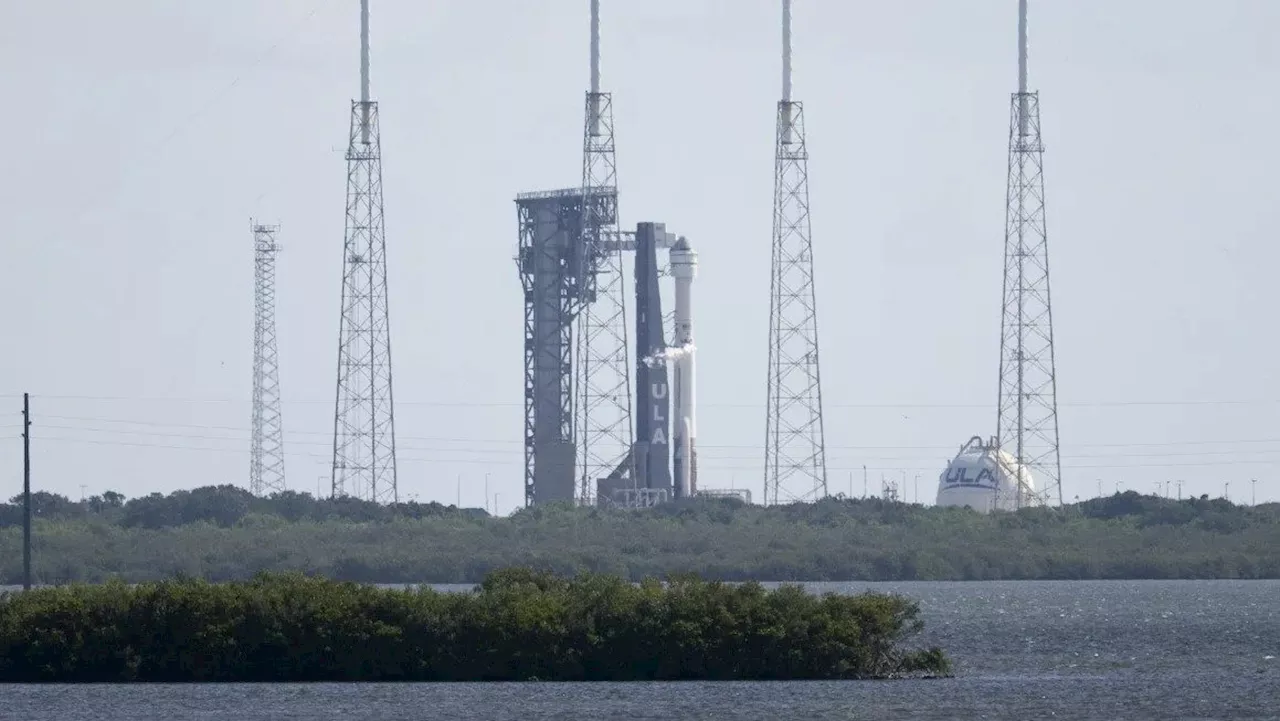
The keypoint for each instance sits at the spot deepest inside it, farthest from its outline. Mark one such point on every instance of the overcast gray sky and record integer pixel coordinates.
(143, 134)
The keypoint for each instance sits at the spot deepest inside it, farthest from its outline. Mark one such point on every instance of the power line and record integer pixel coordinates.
(500, 404)
(512, 457)
(445, 439)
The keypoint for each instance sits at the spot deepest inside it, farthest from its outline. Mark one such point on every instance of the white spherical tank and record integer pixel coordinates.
(983, 477)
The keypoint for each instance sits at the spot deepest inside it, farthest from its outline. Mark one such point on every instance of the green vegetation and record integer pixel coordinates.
(225, 534)
(518, 625)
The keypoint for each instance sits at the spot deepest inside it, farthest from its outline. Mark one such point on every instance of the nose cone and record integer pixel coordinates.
(683, 260)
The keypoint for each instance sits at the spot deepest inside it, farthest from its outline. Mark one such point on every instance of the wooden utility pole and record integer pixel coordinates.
(26, 492)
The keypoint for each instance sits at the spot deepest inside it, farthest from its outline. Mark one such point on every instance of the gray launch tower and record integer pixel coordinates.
(550, 261)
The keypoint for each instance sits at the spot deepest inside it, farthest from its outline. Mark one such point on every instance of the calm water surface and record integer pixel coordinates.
(1110, 651)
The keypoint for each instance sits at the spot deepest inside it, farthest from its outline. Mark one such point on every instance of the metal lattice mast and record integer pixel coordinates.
(364, 447)
(795, 457)
(603, 377)
(1027, 415)
(266, 445)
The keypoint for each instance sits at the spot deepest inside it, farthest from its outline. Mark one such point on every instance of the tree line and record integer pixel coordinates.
(223, 533)
(519, 625)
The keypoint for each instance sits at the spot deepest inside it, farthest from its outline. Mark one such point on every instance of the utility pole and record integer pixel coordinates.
(864, 481)
(1226, 491)
(486, 493)
(459, 490)
(1179, 490)
(1099, 488)
(1253, 492)
(26, 492)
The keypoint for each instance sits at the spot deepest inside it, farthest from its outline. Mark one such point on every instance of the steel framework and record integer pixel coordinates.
(1027, 415)
(266, 450)
(795, 456)
(549, 262)
(364, 446)
(1027, 407)
(603, 379)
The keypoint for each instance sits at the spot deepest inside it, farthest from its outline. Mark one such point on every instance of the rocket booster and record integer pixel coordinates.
(684, 267)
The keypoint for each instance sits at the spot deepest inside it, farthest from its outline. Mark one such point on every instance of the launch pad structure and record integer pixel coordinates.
(559, 251)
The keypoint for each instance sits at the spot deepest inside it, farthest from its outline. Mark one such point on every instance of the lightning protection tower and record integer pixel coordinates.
(795, 457)
(266, 449)
(364, 446)
(603, 380)
(1027, 411)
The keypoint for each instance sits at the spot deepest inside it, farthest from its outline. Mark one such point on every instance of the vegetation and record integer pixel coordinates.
(518, 625)
(224, 534)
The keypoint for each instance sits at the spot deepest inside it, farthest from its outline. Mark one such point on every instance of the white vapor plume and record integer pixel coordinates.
(669, 354)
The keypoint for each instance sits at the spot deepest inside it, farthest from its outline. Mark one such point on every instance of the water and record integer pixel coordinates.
(1110, 651)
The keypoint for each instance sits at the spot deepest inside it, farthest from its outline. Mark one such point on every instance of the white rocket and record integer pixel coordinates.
(684, 267)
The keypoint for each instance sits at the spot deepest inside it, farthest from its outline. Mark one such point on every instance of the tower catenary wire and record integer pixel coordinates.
(266, 443)
(364, 448)
(602, 377)
(1027, 409)
(795, 456)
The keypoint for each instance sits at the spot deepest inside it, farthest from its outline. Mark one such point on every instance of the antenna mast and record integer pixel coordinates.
(266, 453)
(795, 455)
(364, 447)
(1027, 409)
(603, 372)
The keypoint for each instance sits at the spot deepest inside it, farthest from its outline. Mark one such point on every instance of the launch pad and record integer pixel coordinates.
(555, 273)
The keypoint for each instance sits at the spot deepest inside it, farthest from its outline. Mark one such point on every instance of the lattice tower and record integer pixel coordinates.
(602, 374)
(795, 456)
(266, 449)
(364, 447)
(1027, 415)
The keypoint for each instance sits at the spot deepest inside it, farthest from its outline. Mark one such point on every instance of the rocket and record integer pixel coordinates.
(684, 267)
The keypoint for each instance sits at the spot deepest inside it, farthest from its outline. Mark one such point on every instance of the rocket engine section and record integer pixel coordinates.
(684, 268)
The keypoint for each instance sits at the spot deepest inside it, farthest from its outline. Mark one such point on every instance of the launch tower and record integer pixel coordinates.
(364, 445)
(795, 456)
(1027, 415)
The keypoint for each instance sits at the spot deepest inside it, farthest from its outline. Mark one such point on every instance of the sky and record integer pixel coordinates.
(144, 134)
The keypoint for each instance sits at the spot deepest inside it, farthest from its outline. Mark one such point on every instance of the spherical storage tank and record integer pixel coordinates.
(983, 477)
